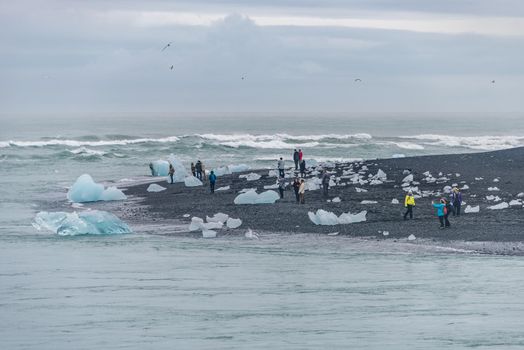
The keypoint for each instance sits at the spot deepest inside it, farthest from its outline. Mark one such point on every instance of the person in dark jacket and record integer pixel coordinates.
(198, 169)
(296, 187)
(303, 168)
(212, 180)
(325, 183)
(193, 169)
(447, 210)
(171, 172)
(296, 158)
(281, 186)
(456, 201)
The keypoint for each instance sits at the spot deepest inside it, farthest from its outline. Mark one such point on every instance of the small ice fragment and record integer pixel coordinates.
(336, 200)
(408, 178)
(411, 237)
(499, 206)
(359, 190)
(192, 181)
(479, 178)
(196, 224)
(186, 215)
(493, 189)
(496, 179)
(250, 234)
(394, 201)
(465, 187)
(209, 234)
(520, 195)
(155, 188)
(368, 202)
(225, 188)
(218, 217)
(233, 223)
(252, 197)
(457, 175)
(250, 177)
(385, 233)
(470, 209)
(515, 202)
(333, 234)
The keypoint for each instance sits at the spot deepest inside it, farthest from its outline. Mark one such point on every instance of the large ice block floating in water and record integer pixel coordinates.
(252, 197)
(323, 217)
(85, 189)
(92, 222)
(159, 168)
(192, 181)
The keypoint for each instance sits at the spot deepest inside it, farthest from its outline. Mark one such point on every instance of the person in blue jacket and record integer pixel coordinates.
(441, 212)
(212, 180)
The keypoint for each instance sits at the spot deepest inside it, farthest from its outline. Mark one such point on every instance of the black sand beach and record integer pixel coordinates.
(505, 227)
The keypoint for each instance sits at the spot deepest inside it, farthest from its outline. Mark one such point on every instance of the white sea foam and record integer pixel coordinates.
(77, 143)
(487, 143)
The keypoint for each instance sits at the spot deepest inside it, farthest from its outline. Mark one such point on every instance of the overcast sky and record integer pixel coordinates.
(61, 56)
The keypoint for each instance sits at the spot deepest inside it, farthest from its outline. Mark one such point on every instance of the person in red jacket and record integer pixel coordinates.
(300, 155)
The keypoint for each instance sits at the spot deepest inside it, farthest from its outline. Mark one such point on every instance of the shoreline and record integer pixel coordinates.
(475, 170)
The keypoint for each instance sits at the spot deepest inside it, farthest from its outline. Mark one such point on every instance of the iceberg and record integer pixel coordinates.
(470, 209)
(85, 189)
(180, 171)
(155, 188)
(196, 224)
(515, 202)
(159, 168)
(233, 223)
(192, 181)
(499, 206)
(252, 197)
(94, 222)
(408, 178)
(326, 218)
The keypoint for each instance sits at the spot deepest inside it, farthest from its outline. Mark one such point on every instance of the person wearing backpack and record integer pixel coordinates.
(295, 159)
(440, 206)
(296, 187)
(448, 209)
(456, 201)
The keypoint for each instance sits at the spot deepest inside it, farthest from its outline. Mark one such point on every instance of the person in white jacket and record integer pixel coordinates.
(302, 191)
(281, 167)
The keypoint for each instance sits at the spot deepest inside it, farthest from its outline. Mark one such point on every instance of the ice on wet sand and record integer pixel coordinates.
(233, 223)
(252, 197)
(155, 188)
(192, 181)
(323, 217)
(470, 209)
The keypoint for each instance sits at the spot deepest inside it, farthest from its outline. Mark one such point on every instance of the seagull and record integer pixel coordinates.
(168, 45)
(242, 78)
(493, 82)
(171, 67)
(358, 80)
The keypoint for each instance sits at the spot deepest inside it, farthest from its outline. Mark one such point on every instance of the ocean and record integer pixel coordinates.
(149, 290)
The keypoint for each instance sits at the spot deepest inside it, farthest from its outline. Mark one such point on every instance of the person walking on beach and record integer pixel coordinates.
(212, 180)
(203, 170)
(302, 191)
(325, 183)
(171, 172)
(300, 155)
(296, 187)
(152, 169)
(303, 168)
(447, 210)
(193, 169)
(456, 201)
(296, 158)
(198, 169)
(281, 186)
(281, 167)
(409, 203)
(441, 208)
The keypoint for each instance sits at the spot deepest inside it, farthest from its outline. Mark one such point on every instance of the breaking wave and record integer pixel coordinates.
(79, 143)
(485, 143)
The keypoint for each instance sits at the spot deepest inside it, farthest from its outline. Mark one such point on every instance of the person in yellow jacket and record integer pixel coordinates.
(409, 203)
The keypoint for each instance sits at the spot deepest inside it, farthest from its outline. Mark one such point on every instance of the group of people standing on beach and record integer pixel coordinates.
(444, 207)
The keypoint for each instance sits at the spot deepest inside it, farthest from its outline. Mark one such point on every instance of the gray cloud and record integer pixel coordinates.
(72, 58)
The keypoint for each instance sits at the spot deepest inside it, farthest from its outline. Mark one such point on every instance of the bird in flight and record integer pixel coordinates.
(168, 45)
(171, 67)
(493, 82)
(358, 80)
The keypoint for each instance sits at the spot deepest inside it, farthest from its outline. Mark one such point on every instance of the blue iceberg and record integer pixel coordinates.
(92, 222)
(159, 168)
(85, 189)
